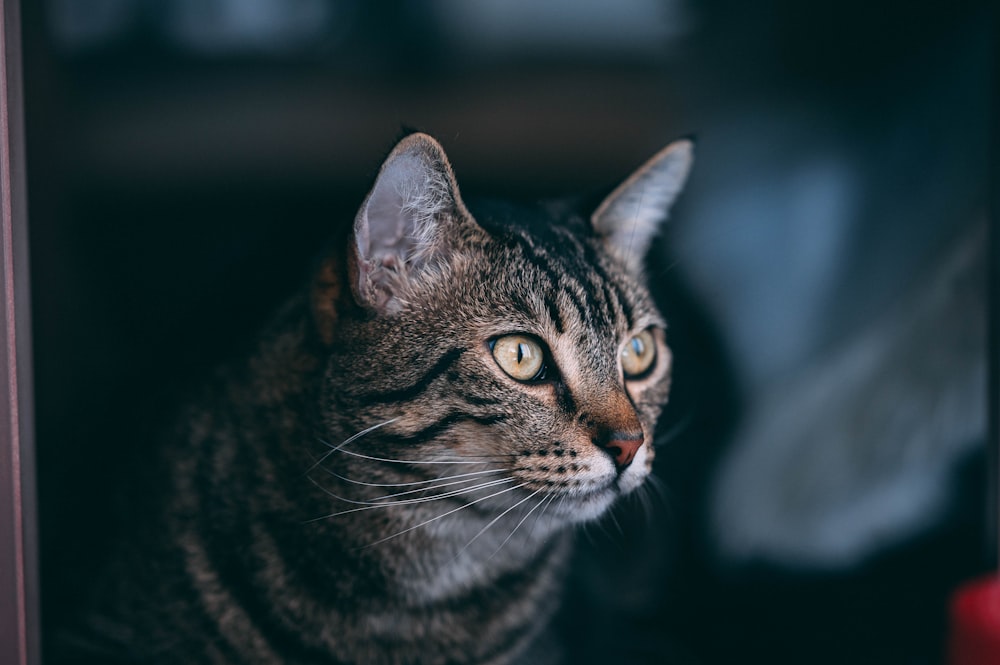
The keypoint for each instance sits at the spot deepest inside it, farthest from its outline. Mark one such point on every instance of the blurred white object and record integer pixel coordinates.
(859, 449)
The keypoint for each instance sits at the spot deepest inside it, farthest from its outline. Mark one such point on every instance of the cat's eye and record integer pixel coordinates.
(638, 355)
(520, 356)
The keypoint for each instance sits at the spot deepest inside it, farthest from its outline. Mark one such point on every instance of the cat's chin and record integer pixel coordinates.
(590, 505)
(587, 507)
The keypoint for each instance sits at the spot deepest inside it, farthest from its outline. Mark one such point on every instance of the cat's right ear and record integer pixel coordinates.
(632, 214)
(403, 226)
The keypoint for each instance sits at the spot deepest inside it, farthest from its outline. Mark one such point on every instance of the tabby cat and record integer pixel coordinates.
(390, 476)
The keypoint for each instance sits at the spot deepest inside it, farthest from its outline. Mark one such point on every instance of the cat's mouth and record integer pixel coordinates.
(581, 484)
(586, 501)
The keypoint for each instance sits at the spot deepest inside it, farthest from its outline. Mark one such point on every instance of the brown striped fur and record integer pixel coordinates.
(370, 486)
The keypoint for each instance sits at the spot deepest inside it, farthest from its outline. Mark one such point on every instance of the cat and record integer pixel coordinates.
(392, 475)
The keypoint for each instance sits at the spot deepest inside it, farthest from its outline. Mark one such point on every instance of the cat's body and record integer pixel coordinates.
(390, 475)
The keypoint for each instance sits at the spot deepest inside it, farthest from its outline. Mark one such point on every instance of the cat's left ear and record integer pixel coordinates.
(632, 214)
(406, 225)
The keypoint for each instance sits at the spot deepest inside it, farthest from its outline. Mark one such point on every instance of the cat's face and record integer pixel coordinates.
(513, 357)
(573, 352)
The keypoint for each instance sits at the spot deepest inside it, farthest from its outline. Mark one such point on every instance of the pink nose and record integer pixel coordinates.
(623, 446)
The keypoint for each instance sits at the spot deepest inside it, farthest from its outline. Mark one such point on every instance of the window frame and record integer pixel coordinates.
(19, 598)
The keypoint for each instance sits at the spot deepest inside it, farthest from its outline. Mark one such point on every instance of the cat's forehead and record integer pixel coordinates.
(547, 224)
(553, 266)
(554, 234)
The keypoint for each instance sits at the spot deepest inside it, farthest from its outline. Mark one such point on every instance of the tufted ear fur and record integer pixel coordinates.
(632, 214)
(405, 223)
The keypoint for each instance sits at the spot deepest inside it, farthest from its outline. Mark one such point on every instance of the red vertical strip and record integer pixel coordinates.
(18, 554)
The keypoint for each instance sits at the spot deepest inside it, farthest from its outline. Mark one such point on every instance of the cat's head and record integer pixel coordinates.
(514, 354)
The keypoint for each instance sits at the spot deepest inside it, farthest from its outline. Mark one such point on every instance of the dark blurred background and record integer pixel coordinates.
(187, 158)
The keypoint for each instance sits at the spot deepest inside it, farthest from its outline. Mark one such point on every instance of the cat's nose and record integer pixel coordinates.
(622, 446)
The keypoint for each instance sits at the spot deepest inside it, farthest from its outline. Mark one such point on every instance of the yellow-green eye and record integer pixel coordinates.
(520, 356)
(638, 355)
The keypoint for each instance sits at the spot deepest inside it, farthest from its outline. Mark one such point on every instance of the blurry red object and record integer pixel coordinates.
(975, 623)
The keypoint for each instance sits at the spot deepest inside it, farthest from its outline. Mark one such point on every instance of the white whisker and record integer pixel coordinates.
(673, 432)
(518, 525)
(404, 461)
(411, 483)
(369, 505)
(642, 496)
(497, 519)
(531, 533)
(428, 489)
(658, 488)
(454, 510)
(614, 520)
(586, 527)
(350, 439)
(684, 251)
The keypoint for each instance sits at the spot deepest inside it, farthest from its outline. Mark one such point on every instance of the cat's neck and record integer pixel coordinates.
(423, 559)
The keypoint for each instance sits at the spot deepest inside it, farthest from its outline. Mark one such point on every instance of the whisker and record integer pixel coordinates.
(684, 251)
(411, 483)
(497, 519)
(586, 529)
(350, 439)
(673, 432)
(642, 495)
(404, 502)
(478, 460)
(428, 489)
(453, 510)
(531, 533)
(658, 488)
(614, 520)
(518, 525)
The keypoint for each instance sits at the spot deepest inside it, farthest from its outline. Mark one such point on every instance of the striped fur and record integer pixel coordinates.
(370, 486)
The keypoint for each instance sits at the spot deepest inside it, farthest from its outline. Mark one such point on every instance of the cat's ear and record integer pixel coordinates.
(405, 223)
(632, 214)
